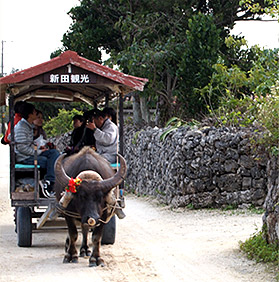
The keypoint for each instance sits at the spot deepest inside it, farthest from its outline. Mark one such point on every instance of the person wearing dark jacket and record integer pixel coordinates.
(81, 136)
(77, 121)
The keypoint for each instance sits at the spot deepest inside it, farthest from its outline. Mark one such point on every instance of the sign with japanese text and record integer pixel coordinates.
(69, 78)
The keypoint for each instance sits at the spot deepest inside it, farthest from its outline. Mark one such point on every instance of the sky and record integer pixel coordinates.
(265, 33)
(32, 29)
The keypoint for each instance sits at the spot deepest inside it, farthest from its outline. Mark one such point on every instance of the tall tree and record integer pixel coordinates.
(172, 43)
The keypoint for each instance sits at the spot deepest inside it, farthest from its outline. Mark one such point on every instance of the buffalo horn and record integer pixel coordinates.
(107, 184)
(61, 175)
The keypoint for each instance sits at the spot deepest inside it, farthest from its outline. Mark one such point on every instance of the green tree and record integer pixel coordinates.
(156, 39)
(238, 96)
(257, 77)
(62, 123)
(51, 110)
(195, 68)
(92, 29)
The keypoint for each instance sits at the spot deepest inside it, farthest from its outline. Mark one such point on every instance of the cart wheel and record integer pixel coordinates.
(24, 227)
(109, 232)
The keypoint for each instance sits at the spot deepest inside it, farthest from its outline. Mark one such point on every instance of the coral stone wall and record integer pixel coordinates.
(201, 168)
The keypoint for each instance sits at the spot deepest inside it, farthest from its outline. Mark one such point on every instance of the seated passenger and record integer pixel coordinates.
(110, 113)
(18, 109)
(77, 121)
(81, 136)
(25, 151)
(38, 126)
(105, 133)
(106, 136)
(40, 136)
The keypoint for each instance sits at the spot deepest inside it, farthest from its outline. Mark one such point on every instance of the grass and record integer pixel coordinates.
(256, 210)
(258, 249)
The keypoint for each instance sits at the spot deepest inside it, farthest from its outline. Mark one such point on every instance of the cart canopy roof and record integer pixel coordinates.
(68, 78)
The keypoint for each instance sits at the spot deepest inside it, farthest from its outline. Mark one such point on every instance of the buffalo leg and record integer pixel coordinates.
(67, 244)
(95, 258)
(84, 249)
(71, 252)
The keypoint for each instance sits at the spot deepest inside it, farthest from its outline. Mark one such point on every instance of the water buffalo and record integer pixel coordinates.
(89, 201)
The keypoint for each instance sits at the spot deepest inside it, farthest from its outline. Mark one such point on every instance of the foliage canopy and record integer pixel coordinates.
(172, 43)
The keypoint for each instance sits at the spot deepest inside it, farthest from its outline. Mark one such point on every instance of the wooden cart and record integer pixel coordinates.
(67, 78)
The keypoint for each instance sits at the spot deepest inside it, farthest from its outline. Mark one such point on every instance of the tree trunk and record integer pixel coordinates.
(137, 118)
(271, 205)
(157, 113)
(162, 111)
(165, 108)
(144, 109)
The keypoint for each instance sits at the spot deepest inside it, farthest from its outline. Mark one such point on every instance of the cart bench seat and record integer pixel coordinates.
(23, 166)
(116, 165)
(32, 166)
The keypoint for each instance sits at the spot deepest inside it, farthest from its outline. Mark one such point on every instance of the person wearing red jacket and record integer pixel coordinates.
(18, 108)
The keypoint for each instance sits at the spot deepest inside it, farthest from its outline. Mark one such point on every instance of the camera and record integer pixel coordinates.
(89, 119)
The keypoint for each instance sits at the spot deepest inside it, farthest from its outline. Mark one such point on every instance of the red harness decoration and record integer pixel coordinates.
(73, 183)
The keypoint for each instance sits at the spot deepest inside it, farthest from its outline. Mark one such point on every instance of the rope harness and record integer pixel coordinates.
(76, 215)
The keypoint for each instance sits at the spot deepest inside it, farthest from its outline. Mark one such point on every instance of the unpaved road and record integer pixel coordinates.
(153, 244)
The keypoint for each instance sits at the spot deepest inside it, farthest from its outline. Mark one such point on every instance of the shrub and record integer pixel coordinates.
(62, 123)
(174, 123)
(268, 117)
(262, 112)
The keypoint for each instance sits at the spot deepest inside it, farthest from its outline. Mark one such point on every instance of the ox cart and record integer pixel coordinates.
(67, 78)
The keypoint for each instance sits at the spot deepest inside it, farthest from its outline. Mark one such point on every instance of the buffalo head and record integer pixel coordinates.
(89, 199)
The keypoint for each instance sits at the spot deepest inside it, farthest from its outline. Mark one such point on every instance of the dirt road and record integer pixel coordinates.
(152, 244)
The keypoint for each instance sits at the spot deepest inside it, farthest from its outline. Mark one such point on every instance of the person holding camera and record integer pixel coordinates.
(106, 136)
(105, 133)
(99, 132)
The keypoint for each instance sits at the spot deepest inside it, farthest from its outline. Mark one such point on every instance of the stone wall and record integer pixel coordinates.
(200, 168)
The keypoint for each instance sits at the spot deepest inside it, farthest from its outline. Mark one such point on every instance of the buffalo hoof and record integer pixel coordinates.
(66, 259)
(96, 262)
(69, 258)
(75, 260)
(92, 264)
(84, 253)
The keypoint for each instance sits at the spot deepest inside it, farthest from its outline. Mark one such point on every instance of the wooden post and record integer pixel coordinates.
(121, 126)
(36, 173)
(121, 131)
(107, 100)
(12, 145)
